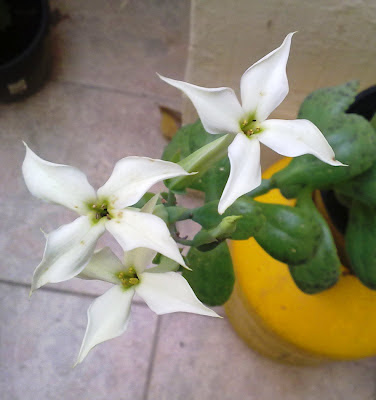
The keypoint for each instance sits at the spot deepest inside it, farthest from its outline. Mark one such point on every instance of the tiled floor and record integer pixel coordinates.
(100, 105)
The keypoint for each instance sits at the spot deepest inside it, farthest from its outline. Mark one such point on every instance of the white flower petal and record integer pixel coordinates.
(245, 173)
(108, 317)
(264, 85)
(295, 138)
(57, 183)
(218, 108)
(134, 229)
(139, 258)
(169, 292)
(133, 176)
(68, 250)
(103, 266)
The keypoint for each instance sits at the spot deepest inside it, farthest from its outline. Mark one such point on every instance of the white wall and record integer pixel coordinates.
(336, 42)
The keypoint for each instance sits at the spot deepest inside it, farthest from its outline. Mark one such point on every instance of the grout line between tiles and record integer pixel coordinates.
(60, 291)
(47, 289)
(149, 372)
(146, 95)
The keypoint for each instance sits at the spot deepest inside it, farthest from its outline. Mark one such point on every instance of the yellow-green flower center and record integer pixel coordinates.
(128, 278)
(99, 210)
(250, 126)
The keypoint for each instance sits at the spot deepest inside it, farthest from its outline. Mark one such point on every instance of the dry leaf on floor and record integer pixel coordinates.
(170, 121)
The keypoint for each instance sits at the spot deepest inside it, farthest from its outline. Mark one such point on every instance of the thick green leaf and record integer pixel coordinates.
(252, 217)
(361, 188)
(354, 143)
(179, 147)
(290, 235)
(361, 243)
(322, 270)
(373, 122)
(207, 240)
(144, 199)
(212, 276)
(163, 264)
(213, 182)
(323, 104)
(199, 162)
(186, 141)
(351, 136)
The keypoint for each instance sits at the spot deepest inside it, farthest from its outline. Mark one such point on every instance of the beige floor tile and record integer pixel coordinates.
(202, 358)
(39, 341)
(121, 44)
(69, 124)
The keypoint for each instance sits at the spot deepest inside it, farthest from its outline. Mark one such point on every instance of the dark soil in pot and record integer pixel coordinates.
(24, 50)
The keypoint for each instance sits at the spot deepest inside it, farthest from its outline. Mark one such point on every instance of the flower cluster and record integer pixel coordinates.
(71, 249)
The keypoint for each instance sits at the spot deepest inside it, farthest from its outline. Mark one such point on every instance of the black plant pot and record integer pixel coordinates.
(365, 105)
(24, 49)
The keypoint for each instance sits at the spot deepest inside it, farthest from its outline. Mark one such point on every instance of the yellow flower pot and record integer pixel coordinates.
(275, 318)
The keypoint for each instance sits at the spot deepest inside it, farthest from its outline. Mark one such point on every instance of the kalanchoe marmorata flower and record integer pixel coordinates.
(70, 247)
(263, 87)
(164, 292)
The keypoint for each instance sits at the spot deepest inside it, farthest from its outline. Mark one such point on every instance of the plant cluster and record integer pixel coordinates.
(145, 224)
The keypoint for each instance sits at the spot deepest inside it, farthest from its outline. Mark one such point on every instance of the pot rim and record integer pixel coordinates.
(362, 98)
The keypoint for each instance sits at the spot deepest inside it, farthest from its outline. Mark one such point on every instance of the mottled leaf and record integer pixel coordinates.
(186, 141)
(361, 188)
(351, 136)
(252, 217)
(289, 234)
(323, 104)
(322, 270)
(361, 243)
(212, 276)
(354, 143)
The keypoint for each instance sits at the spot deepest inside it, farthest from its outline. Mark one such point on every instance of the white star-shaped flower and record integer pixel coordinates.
(263, 87)
(164, 292)
(70, 247)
